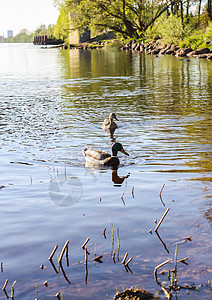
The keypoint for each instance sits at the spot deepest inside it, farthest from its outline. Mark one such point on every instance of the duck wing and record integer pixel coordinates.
(96, 154)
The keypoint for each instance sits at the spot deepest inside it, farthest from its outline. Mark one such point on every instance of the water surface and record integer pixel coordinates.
(52, 105)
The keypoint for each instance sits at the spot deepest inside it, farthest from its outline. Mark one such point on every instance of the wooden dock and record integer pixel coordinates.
(46, 40)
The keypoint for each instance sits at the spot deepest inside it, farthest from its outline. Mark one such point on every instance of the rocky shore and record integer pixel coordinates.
(158, 48)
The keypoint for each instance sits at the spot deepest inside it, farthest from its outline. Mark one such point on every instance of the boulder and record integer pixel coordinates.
(181, 53)
(155, 51)
(203, 55)
(137, 48)
(209, 56)
(199, 51)
(170, 52)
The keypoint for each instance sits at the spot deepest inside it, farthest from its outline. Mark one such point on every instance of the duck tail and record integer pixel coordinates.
(83, 151)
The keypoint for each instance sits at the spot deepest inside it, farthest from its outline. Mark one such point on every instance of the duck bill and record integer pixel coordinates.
(116, 118)
(123, 151)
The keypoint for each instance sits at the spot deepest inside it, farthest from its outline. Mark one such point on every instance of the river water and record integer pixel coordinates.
(53, 102)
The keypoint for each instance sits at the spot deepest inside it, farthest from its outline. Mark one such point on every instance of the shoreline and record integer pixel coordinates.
(155, 47)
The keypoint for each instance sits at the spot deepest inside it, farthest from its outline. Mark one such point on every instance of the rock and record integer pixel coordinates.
(170, 52)
(137, 48)
(199, 51)
(181, 53)
(134, 294)
(203, 55)
(155, 51)
(209, 56)
(165, 49)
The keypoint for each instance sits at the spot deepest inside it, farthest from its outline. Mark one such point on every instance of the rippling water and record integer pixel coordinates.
(52, 105)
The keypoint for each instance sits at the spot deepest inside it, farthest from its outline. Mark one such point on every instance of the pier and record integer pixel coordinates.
(46, 40)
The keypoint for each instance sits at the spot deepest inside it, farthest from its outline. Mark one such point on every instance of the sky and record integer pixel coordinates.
(18, 14)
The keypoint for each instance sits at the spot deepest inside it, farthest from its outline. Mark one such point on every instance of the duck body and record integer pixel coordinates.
(109, 124)
(101, 158)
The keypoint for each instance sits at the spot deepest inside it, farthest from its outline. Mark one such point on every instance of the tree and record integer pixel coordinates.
(127, 17)
(61, 29)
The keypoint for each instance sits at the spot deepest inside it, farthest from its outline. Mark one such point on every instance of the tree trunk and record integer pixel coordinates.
(181, 13)
(209, 9)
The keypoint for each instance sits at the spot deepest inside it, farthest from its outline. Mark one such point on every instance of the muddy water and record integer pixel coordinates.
(52, 105)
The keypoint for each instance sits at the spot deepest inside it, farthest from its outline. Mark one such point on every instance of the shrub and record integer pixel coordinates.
(171, 30)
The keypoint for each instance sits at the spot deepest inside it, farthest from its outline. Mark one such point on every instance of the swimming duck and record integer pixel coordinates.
(109, 123)
(101, 158)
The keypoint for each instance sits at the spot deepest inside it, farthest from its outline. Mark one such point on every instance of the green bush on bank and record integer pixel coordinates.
(171, 31)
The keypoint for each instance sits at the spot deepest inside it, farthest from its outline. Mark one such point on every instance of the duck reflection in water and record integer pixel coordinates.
(116, 178)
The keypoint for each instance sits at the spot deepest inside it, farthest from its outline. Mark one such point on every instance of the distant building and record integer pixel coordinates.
(1, 38)
(9, 33)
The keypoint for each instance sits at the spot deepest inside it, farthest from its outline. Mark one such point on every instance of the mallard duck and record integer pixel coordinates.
(101, 158)
(109, 123)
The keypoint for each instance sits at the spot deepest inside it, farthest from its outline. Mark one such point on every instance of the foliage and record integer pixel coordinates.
(61, 29)
(171, 30)
(130, 18)
(20, 38)
(43, 30)
(208, 32)
(114, 45)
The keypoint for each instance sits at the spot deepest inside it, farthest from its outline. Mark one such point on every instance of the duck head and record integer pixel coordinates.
(117, 147)
(112, 116)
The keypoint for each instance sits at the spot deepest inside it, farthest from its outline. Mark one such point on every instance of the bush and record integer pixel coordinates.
(208, 32)
(171, 30)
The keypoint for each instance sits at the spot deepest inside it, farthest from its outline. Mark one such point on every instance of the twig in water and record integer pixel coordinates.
(133, 193)
(175, 265)
(166, 293)
(53, 266)
(62, 252)
(45, 283)
(5, 285)
(118, 238)
(129, 260)
(86, 255)
(64, 274)
(127, 268)
(160, 265)
(161, 220)
(162, 189)
(53, 252)
(58, 295)
(162, 242)
(2, 270)
(85, 243)
(12, 289)
(104, 233)
(125, 257)
(67, 260)
(98, 258)
(122, 197)
(86, 265)
(113, 256)
(160, 194)
(188, 238)
(183, 260)
(112, 236)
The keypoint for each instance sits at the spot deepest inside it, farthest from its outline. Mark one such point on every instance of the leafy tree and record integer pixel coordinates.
(131, 18)
(61, 29)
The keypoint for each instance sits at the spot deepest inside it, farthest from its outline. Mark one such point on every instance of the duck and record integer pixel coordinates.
(102, 158)
(109, 124)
